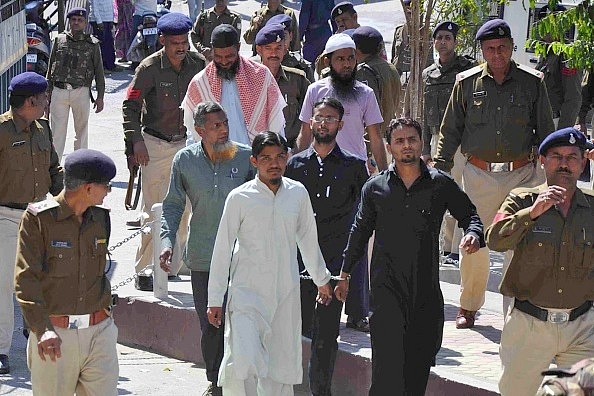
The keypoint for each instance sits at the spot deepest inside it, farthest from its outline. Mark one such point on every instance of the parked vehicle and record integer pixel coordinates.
(38, 37)
(146, 40)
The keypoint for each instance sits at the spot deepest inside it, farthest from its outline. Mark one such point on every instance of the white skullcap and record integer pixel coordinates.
(337, 42)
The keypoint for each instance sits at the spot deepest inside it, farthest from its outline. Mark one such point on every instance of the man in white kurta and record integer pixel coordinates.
(255, 263)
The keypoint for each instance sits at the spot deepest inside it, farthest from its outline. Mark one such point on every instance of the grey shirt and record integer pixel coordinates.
(206, 185)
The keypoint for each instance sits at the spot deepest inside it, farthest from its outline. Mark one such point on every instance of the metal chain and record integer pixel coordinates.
(123, 241)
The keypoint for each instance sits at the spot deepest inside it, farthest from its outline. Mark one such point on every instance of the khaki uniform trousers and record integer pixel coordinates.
(88, 366)
(9, 227)
(253, 386)
(62, 100)
(451, 234)
(487, 190)
(155, 183)
(528, 346)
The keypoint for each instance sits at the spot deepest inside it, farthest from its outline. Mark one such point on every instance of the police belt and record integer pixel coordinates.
(64, 85)
(79, 321)
(14, 205)
(552, 316)
(167, 138)
(499, 166)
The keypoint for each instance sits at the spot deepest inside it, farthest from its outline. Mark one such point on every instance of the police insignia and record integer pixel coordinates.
(450, 27)
(501, 32)
(339, 11)
(278, 39)
(572, 138)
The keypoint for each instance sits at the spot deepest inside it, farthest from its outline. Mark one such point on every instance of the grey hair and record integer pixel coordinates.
(203, 109)
(72, 183)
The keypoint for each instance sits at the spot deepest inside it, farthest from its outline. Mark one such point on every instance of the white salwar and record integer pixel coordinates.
(255, 261)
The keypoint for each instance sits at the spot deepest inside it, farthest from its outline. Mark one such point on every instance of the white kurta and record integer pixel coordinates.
(255, 259)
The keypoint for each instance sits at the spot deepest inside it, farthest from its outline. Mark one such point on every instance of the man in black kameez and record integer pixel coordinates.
(405, 205)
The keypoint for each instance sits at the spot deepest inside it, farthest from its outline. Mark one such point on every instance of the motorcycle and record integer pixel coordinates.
(38, 37)
(146, 40)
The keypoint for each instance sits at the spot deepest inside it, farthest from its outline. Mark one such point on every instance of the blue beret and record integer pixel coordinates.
(27, 84)
(174, 24)
(271, 33)
(493, 29)
(91, 166)
(77, 11)
(448, 26)
(283, 19)
(341, 8)
(367, 39)
(565, 137)
(224, 36)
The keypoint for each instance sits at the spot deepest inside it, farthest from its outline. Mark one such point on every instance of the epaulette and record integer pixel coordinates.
(37, 207)
(293, 70)
(102, 207)
(530, 70)
(93, 40)
(588, 192)
(470, 72)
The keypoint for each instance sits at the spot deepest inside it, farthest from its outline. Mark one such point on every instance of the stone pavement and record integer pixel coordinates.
(468, 363)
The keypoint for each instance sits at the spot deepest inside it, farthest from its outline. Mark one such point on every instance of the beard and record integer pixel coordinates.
(328, 138)
(224, 151)
(230, 73)
(343, 86)
(276, 181)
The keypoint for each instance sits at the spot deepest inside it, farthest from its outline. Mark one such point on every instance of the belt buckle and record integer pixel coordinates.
(558, 317)
(79, 321)
(499, 166)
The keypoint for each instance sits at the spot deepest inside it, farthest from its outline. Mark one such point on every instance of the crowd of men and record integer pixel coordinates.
(243, 144)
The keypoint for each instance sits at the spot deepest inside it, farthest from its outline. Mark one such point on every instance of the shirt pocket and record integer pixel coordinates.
(44, 150)
(167, 96)
(476, 112)
(60, 261)
(519, 110)
(541, 248)
(583, 255)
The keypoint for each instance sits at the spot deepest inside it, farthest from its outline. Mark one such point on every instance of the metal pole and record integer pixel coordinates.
(160, 286)
(61, 21)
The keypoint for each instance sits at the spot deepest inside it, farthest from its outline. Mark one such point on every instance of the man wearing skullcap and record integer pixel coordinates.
(270, 45)
(438, 81)
(245, 89)
(261, 17)
(550, 228)
(497, 113)
(208, 20)
(75, 61)
(154, 127)
(29, 169)
(314, 26)
(61, 283)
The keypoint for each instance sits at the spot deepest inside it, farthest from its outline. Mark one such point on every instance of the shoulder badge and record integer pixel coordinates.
(588, 192)
(530, 70)
(293, 70)
(37, 207)
(470, 72)
(93, 40)
(102, 207)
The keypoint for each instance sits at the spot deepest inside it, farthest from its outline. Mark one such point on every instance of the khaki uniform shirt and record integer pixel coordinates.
(438, 82)
(266, 13)
(76, 61)
(207, 21)
(553, 256)
(293, 60)
(381, 76)
(29, 165)
(495, 123)
(60, 263)
(293, 85)
(155, 94)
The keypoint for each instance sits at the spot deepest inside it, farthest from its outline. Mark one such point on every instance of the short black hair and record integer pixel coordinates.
(268, 138)
(17, 101)
(399, 123)
(331, 102)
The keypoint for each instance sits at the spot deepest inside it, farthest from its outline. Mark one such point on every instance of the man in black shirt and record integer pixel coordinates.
(405, 205)
(333, 179)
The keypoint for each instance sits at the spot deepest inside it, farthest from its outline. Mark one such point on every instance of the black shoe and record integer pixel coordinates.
(4, 365)
(213, 390)
(144, 283)
(359, 325)
(452, 259)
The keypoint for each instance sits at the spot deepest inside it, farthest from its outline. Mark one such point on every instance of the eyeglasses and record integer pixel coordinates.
(329, 120)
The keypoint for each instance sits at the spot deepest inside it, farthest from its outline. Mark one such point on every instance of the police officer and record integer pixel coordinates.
(210, 19)
(29, 169)
(497, 112)
(75, 61)
(564, 83)
(314, 29)
(438, 80)
(550, 228)
(62, 287)
(344, 16)
(261, 17)
(291, 82)
(154, 123)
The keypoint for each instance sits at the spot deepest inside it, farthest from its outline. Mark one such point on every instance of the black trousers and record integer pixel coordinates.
(404, 342)
(212, 340)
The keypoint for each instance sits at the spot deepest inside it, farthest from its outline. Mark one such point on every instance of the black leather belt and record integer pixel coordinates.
(14, 205)
(63, 85)
(167, 138)
(552, 316)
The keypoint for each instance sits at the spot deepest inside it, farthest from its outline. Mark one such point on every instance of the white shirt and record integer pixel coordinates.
(255, 260)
